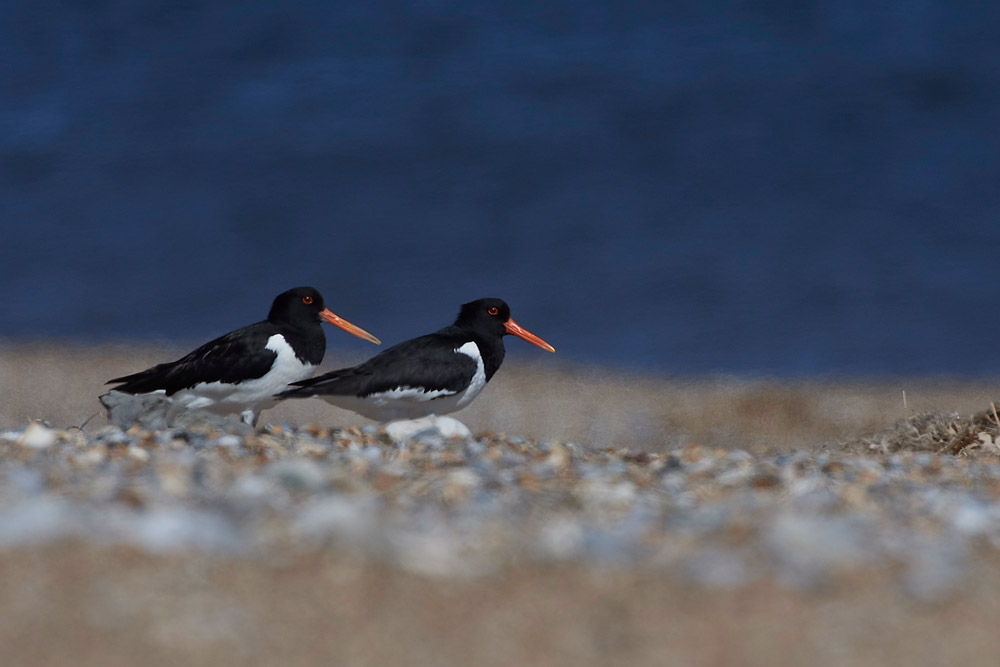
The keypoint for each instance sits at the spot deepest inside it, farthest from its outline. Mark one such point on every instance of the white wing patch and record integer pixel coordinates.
(409, 394)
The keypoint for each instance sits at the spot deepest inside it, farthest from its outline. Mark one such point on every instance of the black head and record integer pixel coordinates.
(299, 305)
(491, 317)
(304, 306)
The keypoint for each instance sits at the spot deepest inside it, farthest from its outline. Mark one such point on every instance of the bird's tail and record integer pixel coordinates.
(141, 382)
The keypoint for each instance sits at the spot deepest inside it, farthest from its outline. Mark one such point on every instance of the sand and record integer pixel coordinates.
(83, 603)
(545, 401)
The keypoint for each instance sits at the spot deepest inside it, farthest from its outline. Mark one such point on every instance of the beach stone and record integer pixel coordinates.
(452, 507)
(38, 436)
(459, 482)
(427, 427)
(229, 440)
(138, 453)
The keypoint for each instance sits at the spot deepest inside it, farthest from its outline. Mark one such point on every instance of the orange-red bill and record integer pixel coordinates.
(515, 329)
(341, 323)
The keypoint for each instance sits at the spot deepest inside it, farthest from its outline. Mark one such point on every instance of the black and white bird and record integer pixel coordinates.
(428, 376)
(241, 371)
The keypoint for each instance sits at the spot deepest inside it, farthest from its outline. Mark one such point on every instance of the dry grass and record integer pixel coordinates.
(940, 433)
(589, 406)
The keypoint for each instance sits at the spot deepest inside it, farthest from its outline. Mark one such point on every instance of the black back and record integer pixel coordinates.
(427, 362)
(241, 355)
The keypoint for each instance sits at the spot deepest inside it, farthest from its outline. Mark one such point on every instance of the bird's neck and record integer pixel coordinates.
(492, 351)
(309, 342)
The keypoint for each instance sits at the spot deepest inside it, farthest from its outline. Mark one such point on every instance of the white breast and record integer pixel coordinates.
(258, 393)
(478, 380)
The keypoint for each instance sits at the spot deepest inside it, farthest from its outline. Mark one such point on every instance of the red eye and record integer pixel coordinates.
(307, 300)
(493, 310)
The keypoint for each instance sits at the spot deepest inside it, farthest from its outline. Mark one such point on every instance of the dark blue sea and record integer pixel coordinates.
(780, 188)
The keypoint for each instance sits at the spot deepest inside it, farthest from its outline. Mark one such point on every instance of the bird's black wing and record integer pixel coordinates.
(235, 357)
(429, 362)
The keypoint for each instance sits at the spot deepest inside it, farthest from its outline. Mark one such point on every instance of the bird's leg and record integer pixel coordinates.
(250, 417)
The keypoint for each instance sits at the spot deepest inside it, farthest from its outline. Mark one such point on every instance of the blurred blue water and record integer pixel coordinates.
(779, 187)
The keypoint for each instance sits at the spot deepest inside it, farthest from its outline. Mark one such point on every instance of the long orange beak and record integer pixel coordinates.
(341, 323)
(515, 329)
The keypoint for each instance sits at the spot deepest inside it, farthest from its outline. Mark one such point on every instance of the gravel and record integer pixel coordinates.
(450, 507)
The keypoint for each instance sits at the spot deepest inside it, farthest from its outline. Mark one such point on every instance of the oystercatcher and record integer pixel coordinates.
(242, 370)
(428, 376)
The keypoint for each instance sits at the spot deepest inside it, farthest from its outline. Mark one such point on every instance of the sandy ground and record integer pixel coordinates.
(84, 604)
(77, 605)
(548, 400)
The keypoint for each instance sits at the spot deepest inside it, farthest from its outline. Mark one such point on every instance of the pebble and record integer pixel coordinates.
(466, 507)
(229, 441)
(138, 453)
(38, 436)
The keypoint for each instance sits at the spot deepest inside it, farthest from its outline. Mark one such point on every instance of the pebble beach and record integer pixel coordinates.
(900, 519)
(467, 507)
